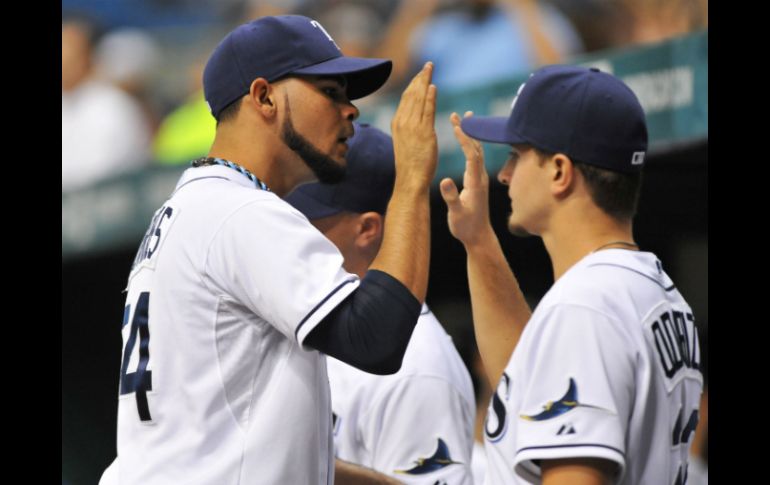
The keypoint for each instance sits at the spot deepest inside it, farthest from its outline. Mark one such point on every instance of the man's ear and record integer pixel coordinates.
(370, 225)
(262, 96)
(562, 172)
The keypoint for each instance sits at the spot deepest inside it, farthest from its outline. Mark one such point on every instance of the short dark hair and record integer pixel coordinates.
(616, 193)
(230, 112)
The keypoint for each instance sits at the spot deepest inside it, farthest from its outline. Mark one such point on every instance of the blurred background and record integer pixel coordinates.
(133, 116)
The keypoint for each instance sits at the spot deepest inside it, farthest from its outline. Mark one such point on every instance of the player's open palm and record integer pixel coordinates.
(468, 211)
(414, 131)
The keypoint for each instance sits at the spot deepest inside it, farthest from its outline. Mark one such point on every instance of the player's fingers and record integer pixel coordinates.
(429, 112)
(476, 145)
(423, 78)
(413, 97)
(449, 193)
(461, 137)
(420, 93)
(473, 177)
(467, 145)
(474, 154)
(424, 90)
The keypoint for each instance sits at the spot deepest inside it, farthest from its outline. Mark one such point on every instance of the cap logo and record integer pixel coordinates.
(638, 158)
(315, 24)
(513, 103)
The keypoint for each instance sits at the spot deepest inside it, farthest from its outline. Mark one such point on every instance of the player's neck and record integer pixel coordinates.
(257, 156)
(570, 240)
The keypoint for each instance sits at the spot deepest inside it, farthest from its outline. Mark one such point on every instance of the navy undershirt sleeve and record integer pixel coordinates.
(371, 328)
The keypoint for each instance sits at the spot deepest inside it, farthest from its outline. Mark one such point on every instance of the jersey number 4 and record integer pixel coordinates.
(139, 381)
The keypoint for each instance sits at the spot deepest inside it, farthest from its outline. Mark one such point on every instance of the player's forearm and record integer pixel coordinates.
(405, 250)
(500, 311)
(532, 20)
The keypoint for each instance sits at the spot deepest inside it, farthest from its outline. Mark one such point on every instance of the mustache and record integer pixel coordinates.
(347, 134)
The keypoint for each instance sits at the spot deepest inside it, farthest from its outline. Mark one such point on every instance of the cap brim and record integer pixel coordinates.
(310, 207)
(364, 76)
(493, 129)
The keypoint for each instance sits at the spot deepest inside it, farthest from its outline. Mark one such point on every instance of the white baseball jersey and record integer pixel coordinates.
(216, 387)
(415, 425)
(607, 367)
(479, 462)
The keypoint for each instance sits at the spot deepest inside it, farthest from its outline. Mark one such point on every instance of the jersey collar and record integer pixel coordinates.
(214, 171)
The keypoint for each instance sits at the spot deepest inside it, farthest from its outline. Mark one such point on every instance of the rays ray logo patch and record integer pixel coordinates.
(439, 460)
(566, 403)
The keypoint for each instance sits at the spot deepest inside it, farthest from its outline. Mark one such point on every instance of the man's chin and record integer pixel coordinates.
(517, 229)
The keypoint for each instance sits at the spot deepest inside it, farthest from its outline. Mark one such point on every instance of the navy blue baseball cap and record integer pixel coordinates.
(586, 114)
(368, 182)
(273, 47)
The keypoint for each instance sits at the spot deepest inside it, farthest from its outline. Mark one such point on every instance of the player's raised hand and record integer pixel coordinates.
(468, 211)
(414, 131)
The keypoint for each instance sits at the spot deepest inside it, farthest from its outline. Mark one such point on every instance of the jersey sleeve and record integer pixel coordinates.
(579, 390)
(421, 432)
(268, 257)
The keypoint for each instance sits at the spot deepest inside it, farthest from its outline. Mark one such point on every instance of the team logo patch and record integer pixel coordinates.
(439, 460)
(567, 403)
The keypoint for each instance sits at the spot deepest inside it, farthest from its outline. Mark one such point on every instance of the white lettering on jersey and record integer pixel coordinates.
(136, 367)
(671, 332)
(154, 237)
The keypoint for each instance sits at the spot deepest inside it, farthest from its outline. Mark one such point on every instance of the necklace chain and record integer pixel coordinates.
(203, 161)
(623, 243)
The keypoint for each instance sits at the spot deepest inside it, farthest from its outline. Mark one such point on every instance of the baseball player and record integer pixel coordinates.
(604, 384)
(233, 295)
(417, 424)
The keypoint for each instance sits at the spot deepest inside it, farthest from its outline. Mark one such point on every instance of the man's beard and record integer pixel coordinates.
(326, 170)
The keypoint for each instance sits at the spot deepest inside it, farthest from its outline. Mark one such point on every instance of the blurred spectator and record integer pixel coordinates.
(252, 9)
(607, 24)
(104, 131)
(657, 20)
(356, 27)
(473, 42)
(129, 58)
(188, 131)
